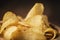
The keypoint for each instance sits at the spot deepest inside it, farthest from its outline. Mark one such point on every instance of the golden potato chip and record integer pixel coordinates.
(8, 15)
(9, 31)
(51, 31)
(37, 9)
(13, 33)
(11, 21)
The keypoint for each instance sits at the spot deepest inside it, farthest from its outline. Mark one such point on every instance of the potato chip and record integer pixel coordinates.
(51, 31)
(9, 31)
(13, 33)
(11, 21)
(8, 15)
(37, 9)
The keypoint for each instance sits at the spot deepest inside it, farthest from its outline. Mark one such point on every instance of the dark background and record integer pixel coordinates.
(22, 7)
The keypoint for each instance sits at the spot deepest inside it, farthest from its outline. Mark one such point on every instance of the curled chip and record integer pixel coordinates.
(37, 9)
(7, 23)
(8, 15)
(13, 33)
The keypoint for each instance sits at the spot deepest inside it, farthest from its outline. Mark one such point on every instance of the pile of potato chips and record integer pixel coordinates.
(34, 26)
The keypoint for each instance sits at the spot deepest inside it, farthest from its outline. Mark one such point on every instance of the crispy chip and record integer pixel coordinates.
(8, 15)
(37, 9)
(11, 21)
(51, 31)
